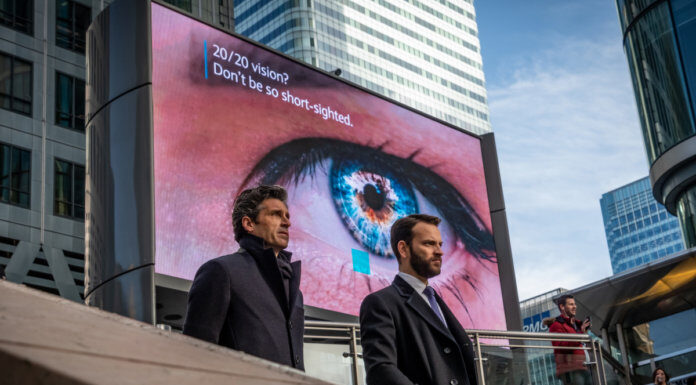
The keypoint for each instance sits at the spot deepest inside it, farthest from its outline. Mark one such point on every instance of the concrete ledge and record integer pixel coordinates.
(45, 339)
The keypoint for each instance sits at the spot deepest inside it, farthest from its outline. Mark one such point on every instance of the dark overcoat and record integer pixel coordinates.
(239, 301)
(405, 343)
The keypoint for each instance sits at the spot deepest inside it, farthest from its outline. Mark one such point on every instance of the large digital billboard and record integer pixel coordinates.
(229, 114)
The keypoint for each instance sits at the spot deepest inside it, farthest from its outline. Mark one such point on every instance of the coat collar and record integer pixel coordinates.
(420, 307)
(268, 266)
(255, 246)
(565, 320)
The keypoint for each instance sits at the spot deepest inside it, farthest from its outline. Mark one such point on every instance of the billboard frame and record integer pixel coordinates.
(107, 41)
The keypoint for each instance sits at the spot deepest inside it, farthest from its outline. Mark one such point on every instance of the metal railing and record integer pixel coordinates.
(493, 349)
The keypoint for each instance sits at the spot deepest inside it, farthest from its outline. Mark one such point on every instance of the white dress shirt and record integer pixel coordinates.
(419, 287)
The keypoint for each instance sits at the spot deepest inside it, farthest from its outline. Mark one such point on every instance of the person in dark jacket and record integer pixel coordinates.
(570, 363)
(408, 334)
(251, 300)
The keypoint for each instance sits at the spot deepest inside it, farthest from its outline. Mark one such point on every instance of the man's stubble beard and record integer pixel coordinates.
(421, 265)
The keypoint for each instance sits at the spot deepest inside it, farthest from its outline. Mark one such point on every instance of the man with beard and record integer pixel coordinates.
(408, 334)
(570, 363)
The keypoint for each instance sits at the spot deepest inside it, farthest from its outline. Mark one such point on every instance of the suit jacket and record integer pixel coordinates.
(405, 343)
(239, 301)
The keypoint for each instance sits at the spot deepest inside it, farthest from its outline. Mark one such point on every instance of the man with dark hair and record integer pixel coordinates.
(251, 300)
(409, 335)
(570, 363)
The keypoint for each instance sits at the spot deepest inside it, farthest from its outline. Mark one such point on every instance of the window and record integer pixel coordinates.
(183, 4)
(70, 102)
(18, 14)
(72, 20)
(15, 84)
(15, 165)
(69, 189)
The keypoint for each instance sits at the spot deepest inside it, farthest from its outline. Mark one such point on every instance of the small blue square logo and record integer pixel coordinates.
(361, 261)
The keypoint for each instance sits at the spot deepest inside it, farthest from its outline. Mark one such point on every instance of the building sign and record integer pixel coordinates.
(535, 324)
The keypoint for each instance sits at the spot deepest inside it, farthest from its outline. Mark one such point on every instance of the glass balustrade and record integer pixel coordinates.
(333, 353)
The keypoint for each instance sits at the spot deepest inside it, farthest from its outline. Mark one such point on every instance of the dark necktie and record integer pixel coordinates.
(430, 293)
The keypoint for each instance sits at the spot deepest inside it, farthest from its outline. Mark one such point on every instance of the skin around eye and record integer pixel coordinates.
(209, 136)
(322, 236)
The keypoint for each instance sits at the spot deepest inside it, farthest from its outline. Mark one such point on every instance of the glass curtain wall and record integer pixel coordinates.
(660, 44)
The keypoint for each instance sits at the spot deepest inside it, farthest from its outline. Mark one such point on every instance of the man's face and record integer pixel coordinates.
(272, 224)
(425, 250)
(569, 308)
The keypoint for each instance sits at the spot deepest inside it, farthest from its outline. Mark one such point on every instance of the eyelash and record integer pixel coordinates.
(300, 158)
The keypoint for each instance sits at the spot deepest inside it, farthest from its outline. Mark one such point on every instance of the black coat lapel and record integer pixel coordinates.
(295, 283)
(455, 327)
(271, 274)
(420, 307)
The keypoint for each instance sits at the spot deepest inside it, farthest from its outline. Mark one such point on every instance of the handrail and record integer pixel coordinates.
(349, 333)
(529, 335)
(482, 333)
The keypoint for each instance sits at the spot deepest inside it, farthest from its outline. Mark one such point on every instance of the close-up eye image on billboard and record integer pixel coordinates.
(229, 115)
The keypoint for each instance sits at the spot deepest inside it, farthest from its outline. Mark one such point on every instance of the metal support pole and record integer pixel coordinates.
(598, 364)
(482, 379)
(624, 352)
(606, 343)
(354, 354)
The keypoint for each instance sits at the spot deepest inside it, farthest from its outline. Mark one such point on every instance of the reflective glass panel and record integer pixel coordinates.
(658, 83)
(64, 100)
(332, 362)
(684, 12)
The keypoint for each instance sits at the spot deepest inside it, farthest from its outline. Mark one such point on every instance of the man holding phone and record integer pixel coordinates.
(570, 363)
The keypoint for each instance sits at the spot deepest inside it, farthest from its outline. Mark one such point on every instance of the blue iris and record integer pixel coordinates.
(369, 201)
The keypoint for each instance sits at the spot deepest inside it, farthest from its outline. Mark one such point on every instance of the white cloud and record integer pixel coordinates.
(567, 131)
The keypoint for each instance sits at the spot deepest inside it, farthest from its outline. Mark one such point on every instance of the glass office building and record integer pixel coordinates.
(42, 142)
(424, 54)
(660, 44)
(638, 228)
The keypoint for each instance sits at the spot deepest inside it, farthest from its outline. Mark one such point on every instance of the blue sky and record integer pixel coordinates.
(567, 130)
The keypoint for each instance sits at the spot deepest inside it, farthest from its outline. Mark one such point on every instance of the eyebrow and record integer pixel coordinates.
(278, 211)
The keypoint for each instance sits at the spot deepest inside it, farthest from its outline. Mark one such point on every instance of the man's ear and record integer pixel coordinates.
(403, 250)
(247, 224)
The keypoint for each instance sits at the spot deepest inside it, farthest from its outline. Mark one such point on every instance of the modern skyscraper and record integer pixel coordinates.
(638, 228)
(659, 38)
(424, 54)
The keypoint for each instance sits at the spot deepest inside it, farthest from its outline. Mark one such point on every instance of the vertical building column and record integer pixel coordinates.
(686, 211)
(624, 352)
(119, 196)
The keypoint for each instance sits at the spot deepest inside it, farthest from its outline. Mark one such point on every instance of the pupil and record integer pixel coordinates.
(373, 197)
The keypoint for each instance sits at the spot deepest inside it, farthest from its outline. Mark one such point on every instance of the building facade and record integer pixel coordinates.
(540, 362)
(660, 42)
(424, 54)
(638, 228)
(42, 137)
(42, 142)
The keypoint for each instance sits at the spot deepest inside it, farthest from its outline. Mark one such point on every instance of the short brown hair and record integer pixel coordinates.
(563, 299)
(402, 229)
(247, 205)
